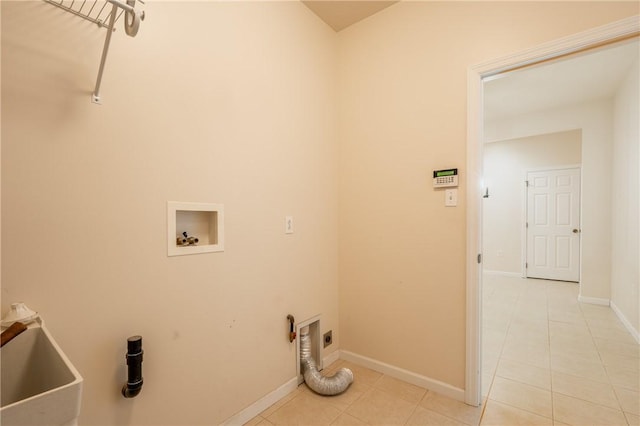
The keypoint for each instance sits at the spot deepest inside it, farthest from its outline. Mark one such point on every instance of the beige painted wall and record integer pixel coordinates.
(402, 114)
(224, 102)
(236, 103)
(625, 193)
(505, 167)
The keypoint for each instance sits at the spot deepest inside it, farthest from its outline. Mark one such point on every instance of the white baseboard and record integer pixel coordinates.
(626, 322)
(594, 300)
(503, 273)
(272, 397)
(262, 404)
(405, 375)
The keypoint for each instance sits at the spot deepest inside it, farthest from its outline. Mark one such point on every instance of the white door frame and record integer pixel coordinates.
(599, 36)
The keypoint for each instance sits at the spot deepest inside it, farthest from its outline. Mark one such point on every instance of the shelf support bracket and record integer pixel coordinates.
(95, 97)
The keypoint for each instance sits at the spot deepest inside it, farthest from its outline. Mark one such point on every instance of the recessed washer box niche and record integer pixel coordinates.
(202, 220)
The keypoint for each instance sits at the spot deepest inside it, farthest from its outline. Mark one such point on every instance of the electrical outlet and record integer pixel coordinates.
(288, 225)
(327, 338)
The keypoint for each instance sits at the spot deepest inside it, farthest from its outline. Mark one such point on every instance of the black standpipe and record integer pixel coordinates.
(134, 363)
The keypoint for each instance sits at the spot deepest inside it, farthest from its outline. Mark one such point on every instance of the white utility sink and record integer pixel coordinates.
(40, 386)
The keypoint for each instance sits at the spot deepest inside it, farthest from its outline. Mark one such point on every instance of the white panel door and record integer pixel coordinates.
(553, 225)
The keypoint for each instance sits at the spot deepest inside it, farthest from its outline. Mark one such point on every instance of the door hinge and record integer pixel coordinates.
(526, 224)
(527, 183)
(479, 257)
(526, 265)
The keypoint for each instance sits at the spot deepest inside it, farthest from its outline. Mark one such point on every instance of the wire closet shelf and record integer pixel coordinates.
(105, 14)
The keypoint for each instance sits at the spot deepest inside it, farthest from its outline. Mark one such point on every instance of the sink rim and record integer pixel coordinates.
(77, 377)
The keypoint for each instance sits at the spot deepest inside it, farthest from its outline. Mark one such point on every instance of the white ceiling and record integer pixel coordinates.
(340, 14)
(581, 78)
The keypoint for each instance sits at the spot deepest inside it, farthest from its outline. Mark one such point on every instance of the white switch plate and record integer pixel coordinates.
(451, 197)
(288, 225)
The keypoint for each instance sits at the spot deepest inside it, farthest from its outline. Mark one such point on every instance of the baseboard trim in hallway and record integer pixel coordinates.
(594, 300)
(634, 333)
(405, 375)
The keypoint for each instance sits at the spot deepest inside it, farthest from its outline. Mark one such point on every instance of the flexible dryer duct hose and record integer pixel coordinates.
(318, 383)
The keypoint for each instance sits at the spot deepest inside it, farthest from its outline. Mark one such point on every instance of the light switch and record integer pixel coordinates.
(451, 197)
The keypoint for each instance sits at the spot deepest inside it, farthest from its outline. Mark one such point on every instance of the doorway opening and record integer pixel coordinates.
(577, 44)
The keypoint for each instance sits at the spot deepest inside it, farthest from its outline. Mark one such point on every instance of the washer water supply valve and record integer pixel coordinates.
(134, 362)
(292, 332)
(186, 240)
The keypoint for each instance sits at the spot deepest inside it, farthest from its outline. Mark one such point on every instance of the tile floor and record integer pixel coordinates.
(547, 360)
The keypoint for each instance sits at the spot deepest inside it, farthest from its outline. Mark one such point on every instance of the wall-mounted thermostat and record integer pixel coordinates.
(445, 178)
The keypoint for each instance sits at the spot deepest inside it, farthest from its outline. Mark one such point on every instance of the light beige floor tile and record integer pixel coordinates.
(597, 311)
(613, 334)
(524, 373)
(343, 400)
(496, 321)
(265, 422)
(520, 395)
(520, 337)
(588, 390)
(305, 410)
(632, 419)
(346, 420)
(587, 353)
(501, 415)
(624, 362)
(422, 416)
(530, 313)
(575, 411)
(618, 348)
(382, 408)
(536, 356)
(559, 423)
(567, 316)
(451, 408)
(579, 340)
(362, 374)
(605, 323)
(403, 390)
(562, 329)
(492, 340)
(629, 400)
(266, 413)
(579, 367)
(621, 377)
(487, 379)
(530, 324)
(490, 362)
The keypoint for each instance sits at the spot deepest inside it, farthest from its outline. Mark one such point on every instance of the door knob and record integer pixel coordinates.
(576, 231)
